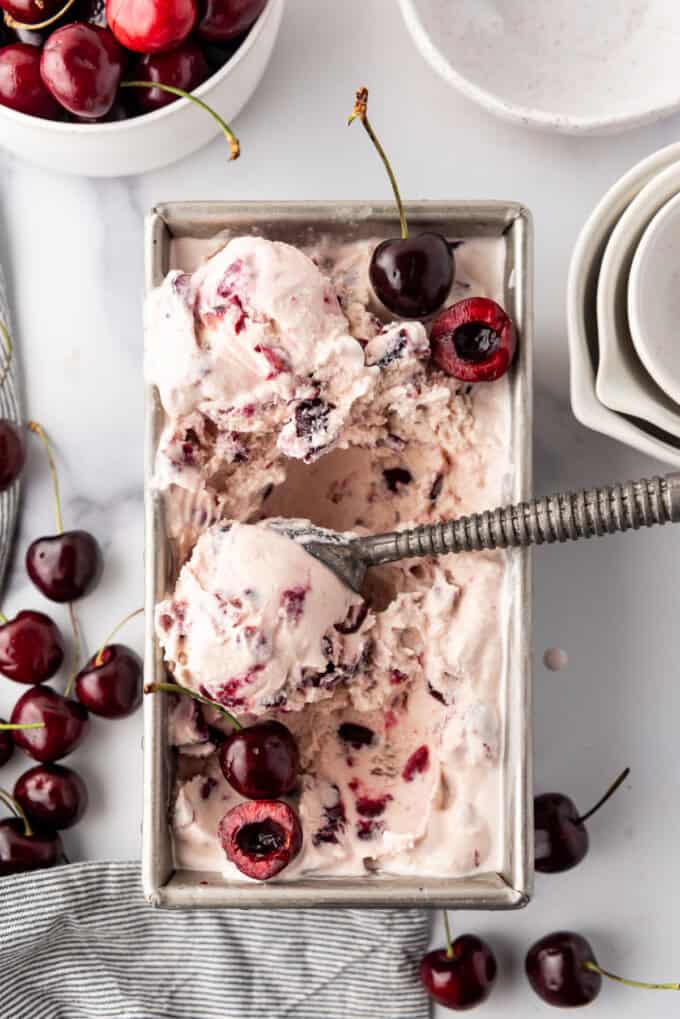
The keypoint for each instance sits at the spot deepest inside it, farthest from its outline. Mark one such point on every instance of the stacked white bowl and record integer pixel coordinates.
(623, 307)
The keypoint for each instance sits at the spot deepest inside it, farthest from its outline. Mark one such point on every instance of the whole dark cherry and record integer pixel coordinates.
(31, 12)
(110, 684)
(563, 971)
(473, 340)
(261, 837)
(31, 648)
(11, 443)
(561, 837)
(261, 761)
(6, 744)
(64, 566)
(412, 276)
(461, 975)
(82, 65)
(21, 85)
(62, 722)
(184, 67)
(151, 26)
(22, 850)
(221, 20)
(51, 796)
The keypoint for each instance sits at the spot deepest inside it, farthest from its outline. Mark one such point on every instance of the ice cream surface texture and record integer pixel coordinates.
(287, 394)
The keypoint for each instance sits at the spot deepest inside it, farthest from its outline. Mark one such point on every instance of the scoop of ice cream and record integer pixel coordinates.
(255, 622)
(254, 340)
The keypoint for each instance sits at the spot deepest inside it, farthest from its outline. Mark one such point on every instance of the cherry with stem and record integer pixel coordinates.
(411, 275)
(21, 848)
(563, 971)
(67, 565)
(110, 684)
(461, 975)
(561, 837)
(234, 144)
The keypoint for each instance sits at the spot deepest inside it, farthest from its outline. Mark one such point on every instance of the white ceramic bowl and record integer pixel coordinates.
(654, 298)
(623, 382)
(154, 139)
(585, 66)
(584, 271)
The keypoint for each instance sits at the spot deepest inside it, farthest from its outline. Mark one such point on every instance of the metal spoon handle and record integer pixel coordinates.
(563, 517)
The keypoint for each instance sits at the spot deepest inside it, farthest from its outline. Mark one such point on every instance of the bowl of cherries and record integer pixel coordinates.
(110, 87)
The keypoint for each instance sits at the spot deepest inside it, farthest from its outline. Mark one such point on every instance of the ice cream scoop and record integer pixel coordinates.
(566, 516)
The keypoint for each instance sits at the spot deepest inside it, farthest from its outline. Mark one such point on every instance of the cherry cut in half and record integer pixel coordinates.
(261, 837)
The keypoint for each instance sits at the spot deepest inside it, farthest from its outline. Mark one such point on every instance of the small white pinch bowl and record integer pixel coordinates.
(584, 271)
(623, 383)
(585, 67)
(153, 139)
(654, 299)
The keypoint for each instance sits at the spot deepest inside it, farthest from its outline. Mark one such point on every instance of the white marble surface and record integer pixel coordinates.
(73, 252)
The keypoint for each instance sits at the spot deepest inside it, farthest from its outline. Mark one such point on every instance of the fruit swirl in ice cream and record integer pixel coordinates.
(287, 395)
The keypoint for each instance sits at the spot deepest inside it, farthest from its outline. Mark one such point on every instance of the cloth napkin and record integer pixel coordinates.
(80, 942)
(9, 408)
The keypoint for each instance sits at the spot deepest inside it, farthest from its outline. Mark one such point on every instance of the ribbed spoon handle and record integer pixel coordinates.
(563, 517)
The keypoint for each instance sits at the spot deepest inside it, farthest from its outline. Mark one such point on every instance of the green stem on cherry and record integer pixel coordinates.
(7, 342)
(40, 432)
(17, 810)
(592, 967)
(449, 943)
(17, 727)
(610, 792)
(13, 23)
(98, 660)
(360, 112)
(234, 144)
(185, 692)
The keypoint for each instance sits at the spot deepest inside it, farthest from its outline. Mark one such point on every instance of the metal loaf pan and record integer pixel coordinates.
(300, 222)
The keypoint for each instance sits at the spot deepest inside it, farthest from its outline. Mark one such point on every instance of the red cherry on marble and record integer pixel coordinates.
(6, 744)
(62, 723)
(261, 761)
(110, 684)
(82, 65)
(261, 837)
(461, 975)
(51, 796)
(67, 565)
(151, 26)
(21, 85)
(11, 443)
(184, 67)
(221, 20)
(561, 836)
(31, 648)
(21, 852)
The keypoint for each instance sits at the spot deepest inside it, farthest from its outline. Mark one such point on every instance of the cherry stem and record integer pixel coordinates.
(360, 113)
(40, 432)
(3, 618)
(7, 341)
(77, 649)
(610, 792)
(98, 660)
(185, 692)
(17, 810)
(592, 967)
(17, 726)
(234, 144)
(449, 944)
(12, 23)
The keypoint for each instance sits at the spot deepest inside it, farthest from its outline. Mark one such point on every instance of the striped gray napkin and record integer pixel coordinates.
(80, 942)
(10, 407)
